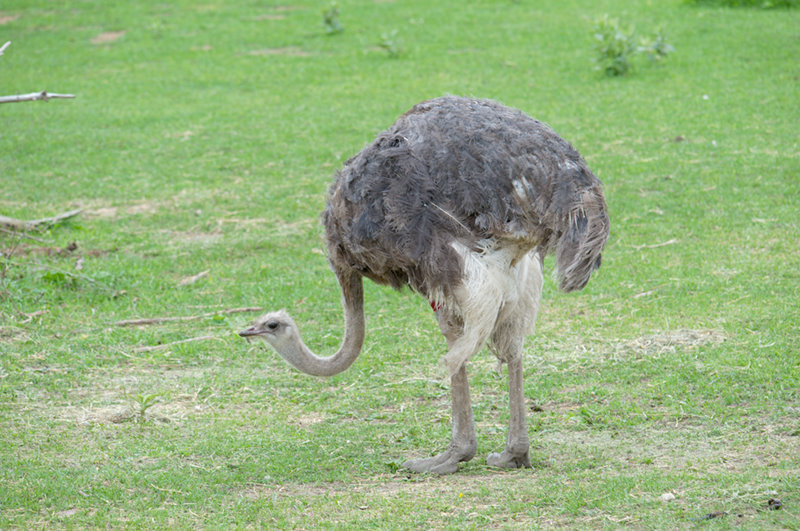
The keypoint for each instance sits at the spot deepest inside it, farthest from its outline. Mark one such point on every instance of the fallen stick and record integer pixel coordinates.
(35, 96)
(159, 320)
(23, 225)
(172, 343)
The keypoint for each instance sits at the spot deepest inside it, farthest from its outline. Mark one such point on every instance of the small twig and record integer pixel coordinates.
(29, 316)
(167, 345)
(656, 245)
(22, 235)
(3, 47)
(194, 278)
(23, 225)
(159, 320)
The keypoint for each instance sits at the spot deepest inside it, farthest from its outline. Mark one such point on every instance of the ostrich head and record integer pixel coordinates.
(276, 328)
(281, 332)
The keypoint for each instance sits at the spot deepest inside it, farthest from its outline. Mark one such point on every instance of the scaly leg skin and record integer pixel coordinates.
(516, 454)
(464, 443)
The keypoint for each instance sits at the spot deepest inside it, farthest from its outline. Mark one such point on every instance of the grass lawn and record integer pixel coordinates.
(200, 146)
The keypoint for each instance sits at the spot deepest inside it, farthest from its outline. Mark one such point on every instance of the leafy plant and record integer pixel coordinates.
(616, 46)
(143, 402)
(391, 43)
(657, 48)
(330, 19)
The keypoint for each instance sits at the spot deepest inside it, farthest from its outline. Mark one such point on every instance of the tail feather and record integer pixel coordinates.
(578, 251)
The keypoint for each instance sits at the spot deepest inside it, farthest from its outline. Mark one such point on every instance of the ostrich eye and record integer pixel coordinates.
(272, 325)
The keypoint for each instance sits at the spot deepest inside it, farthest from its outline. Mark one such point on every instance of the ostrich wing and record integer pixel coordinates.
(473, 171)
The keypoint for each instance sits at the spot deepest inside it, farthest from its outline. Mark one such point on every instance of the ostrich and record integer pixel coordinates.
(460, 200)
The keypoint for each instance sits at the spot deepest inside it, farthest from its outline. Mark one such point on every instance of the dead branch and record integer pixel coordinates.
(23, 225)
(159, 320)
(34, 96)
(167, 345)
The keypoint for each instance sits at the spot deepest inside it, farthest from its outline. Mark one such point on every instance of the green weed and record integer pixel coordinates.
(617, 46)
(330, 19)
(141, 402)
(390, 42)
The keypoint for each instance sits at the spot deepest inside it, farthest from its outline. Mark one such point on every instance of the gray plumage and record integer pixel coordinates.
(470, 171)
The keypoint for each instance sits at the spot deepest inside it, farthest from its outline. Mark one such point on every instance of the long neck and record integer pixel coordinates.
(301, 357)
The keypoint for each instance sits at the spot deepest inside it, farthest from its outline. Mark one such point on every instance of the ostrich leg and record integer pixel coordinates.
(508, 338)
(517, 443)
(464, 441)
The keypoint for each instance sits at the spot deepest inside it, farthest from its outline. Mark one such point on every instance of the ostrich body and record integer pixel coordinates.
(460, 200)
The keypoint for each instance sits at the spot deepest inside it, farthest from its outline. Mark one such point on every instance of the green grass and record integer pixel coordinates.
(204, 138)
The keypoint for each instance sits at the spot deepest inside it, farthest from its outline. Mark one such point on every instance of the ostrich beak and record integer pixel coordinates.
(249, 332)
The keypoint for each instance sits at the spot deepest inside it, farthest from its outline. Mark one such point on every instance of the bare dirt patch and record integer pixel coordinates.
(183, 136)
(172, 411)
(5, 18)
(670, 341)
(108, 37)
(308, 419)
(194, 238)
(293, 51)
(548, 349)
(115, 401)
(116, 212)
(112, 414)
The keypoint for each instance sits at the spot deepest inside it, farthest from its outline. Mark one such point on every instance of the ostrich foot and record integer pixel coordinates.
(444, 463)
(509, 460)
